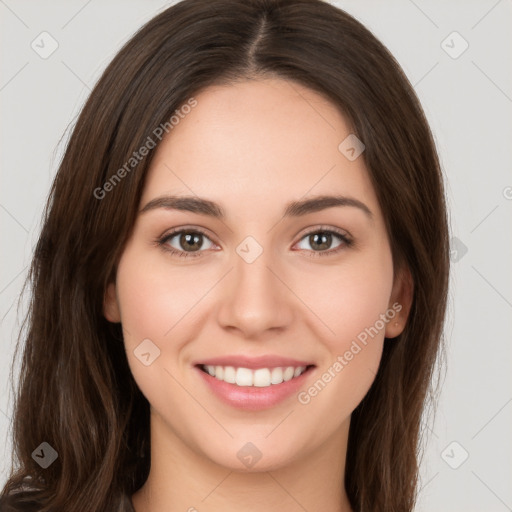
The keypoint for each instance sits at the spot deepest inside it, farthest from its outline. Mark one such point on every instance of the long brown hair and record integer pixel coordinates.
(76, 391)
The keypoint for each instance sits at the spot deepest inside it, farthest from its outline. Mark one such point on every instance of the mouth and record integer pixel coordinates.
(254, 389)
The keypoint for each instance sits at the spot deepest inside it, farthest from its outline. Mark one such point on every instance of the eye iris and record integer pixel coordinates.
(194, 241)
(321, 240)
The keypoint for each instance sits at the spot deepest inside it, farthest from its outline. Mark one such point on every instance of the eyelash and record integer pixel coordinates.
(162, 242)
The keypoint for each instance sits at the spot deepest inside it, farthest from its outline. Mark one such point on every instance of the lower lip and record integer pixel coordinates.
(252, 398)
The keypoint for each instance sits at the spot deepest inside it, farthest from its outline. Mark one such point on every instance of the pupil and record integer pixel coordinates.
(191, 240)
(325, 237)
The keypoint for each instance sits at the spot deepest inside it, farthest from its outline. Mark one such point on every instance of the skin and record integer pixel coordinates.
(252, 147)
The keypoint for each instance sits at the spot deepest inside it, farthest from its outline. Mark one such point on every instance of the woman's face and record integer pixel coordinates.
(265, 287)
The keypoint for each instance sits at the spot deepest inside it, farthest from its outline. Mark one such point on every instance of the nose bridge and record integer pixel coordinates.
(256, 300)
(252, 274)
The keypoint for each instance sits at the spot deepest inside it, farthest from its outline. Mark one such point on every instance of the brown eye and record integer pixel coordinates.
(185, 242)
(190, 241)
(321, 242)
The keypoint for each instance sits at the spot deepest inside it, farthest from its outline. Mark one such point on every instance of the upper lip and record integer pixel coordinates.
(266, 361)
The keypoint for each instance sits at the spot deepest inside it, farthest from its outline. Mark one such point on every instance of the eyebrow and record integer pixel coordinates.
(202, 206)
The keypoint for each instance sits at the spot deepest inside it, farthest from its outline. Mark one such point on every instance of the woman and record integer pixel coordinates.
(240, 284)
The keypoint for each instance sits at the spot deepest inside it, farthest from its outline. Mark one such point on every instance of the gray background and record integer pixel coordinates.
(468, 101)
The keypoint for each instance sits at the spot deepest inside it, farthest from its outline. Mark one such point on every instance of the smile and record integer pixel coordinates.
(257, 388)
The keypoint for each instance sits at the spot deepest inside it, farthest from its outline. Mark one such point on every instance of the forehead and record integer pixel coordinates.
(256, 144)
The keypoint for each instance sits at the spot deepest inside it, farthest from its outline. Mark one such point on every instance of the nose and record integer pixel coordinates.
(255, 299)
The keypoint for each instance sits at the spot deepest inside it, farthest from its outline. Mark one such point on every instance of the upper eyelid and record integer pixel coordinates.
(337, 231)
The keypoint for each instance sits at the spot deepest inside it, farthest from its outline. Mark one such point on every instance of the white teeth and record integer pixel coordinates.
(219, 371)
(277, 376)
(243, 377)
(229, 375)
(288, 373)
(261, 378)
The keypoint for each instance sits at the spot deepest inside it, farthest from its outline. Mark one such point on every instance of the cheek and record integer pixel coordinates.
(351, 303)
(349, 299)
(155, 304)
(154, 297)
